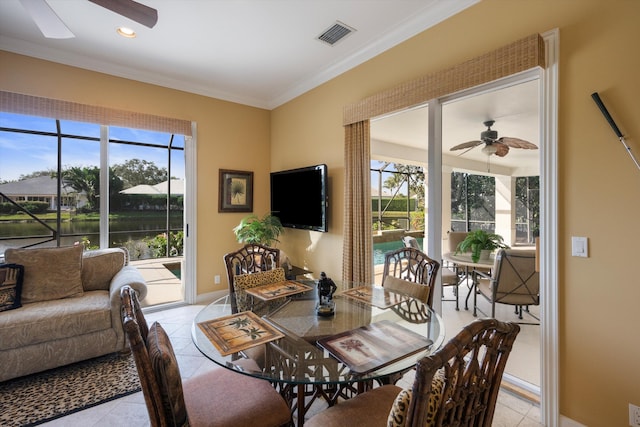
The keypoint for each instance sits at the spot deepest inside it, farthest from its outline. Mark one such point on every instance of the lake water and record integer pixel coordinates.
(119, 231)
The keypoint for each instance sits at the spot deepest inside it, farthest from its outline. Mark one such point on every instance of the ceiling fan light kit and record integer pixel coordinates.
(489, 149)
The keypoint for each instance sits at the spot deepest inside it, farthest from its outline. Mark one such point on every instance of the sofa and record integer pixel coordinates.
(65, 309)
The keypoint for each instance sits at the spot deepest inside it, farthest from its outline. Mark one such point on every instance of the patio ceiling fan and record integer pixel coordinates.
(53, 27)
(493, 144)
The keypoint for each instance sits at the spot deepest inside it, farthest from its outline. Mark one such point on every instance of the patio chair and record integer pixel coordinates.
(450, 274)
(412, 265)
(251, 258)
(220, 397)
(411, 242)
(453, 274)
(456, 386)
(513, 280)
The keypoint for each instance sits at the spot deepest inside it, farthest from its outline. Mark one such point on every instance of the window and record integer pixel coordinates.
(51, 186)
(472, 202)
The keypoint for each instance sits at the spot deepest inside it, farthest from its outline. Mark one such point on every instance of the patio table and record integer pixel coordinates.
(465, 261)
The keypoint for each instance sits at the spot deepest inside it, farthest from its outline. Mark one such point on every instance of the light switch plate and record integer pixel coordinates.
(634, 415)
(579, 247)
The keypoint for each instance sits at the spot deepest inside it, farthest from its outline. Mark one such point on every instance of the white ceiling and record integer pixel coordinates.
(256, 52)
(264, 53)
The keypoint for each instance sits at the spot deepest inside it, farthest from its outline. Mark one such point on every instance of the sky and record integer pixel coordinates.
(21, 154)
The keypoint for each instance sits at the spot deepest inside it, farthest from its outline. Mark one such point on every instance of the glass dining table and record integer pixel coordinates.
(372, 335)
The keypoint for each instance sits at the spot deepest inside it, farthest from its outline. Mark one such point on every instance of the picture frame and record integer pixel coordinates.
(236, 191)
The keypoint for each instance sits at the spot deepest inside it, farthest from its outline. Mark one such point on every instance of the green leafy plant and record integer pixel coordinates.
(479, 240)
(158, 244)
(264, 231)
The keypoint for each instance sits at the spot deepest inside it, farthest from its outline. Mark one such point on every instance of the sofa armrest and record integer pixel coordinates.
(131, 276)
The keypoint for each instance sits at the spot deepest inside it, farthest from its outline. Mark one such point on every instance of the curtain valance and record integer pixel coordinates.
(513, 58)
(66, 110)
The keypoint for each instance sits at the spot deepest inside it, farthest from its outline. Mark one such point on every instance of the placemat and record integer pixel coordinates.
(278, 290)
(236, 332)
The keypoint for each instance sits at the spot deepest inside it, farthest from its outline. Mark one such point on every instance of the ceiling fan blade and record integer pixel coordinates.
(468, 144)
(133, 10)
(467, 150)
(501, 149)
(46, 19)
(517, 143)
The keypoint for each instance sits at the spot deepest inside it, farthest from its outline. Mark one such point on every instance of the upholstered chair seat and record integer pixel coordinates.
(230, 399)
(369, 409)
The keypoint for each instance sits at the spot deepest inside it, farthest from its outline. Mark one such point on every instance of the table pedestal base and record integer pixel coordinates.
(300, 397)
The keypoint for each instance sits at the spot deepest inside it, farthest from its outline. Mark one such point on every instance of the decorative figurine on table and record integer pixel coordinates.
(326, 289)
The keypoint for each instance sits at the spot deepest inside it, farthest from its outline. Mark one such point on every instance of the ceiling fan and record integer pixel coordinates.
(493, 144)
(53, 27)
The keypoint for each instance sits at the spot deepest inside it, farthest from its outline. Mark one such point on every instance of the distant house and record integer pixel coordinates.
(42, 189)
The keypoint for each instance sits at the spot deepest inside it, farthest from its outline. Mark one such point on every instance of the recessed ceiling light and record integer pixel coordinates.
(126, 32)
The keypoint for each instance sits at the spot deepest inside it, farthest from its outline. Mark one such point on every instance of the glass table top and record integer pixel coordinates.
(359, 342)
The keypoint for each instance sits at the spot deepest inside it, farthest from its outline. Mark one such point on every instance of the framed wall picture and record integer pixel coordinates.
(236, 191)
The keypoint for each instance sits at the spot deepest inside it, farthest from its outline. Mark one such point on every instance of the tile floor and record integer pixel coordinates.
(511, 411)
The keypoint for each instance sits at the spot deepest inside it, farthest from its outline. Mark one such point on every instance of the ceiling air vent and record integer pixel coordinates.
(335, 33)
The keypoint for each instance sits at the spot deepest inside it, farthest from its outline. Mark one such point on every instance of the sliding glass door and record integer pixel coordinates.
(65, 182)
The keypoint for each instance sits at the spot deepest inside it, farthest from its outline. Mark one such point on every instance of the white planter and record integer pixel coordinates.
(485, 254)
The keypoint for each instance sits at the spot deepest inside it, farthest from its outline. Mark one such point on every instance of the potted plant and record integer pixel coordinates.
(478, 241)
(264, 231)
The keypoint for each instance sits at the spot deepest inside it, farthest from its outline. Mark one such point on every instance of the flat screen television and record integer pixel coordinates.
(299, 197)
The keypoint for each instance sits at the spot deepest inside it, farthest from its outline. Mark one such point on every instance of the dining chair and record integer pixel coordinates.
(456, 386)
(246, 302)
(411, 265)
(251, 258)
(220, 397)
(513, 280)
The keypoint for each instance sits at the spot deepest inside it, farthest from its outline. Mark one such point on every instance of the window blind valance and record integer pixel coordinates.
(66, 110)
(513, 58)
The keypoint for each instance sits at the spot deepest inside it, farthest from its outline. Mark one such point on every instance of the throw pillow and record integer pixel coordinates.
(99, 266)
(49, 273)
(398, 414)
(167, 372)
(10, 286)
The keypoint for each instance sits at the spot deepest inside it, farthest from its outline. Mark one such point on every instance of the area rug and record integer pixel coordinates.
(38, 398)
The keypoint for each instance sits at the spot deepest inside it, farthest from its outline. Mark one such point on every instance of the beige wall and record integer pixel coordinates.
(230, 136)
(598, 190)
(599, 187)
